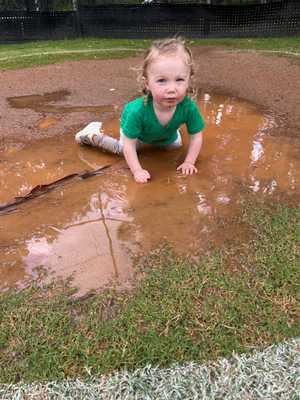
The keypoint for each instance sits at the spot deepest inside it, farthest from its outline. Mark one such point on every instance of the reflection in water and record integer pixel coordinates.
(110, 242)
(257, 151)
(90, 229)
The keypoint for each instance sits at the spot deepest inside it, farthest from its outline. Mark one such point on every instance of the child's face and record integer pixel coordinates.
(168, 80)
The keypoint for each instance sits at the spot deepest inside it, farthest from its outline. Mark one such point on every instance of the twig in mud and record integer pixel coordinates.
(40, 190)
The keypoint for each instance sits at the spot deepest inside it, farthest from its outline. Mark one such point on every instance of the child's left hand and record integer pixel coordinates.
(187, 168)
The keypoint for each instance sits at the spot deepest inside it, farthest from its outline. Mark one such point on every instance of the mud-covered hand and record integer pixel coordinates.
(141, 176)
(187, 168)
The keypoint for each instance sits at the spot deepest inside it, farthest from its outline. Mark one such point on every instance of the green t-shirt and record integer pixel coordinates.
(139, 121)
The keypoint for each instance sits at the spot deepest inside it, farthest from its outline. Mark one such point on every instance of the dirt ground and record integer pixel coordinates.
(269, 81)
(254, 149)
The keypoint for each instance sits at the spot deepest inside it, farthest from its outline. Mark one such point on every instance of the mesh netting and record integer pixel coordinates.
(276, 18)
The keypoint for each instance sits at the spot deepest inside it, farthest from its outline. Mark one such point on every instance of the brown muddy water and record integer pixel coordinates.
(91, 229)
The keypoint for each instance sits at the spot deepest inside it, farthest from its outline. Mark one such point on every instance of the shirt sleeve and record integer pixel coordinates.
(131, 124)
(195, 122)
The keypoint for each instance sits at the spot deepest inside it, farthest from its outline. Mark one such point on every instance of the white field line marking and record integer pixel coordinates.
(288, 53)
(45, 53)
(266, 374)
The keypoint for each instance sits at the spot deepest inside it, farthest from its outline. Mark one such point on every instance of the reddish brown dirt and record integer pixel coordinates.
(109, 216)
(270, 81)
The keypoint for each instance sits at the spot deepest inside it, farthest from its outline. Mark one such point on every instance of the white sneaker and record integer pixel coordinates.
(86, 135)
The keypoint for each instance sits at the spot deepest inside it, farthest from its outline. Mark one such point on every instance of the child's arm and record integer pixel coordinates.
(129, 149)
(188, 167)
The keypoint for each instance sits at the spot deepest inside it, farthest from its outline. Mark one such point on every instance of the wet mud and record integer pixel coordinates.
(44, 103)
(92, 229)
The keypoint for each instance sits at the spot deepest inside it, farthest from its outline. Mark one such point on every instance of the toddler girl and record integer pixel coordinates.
(155, 117)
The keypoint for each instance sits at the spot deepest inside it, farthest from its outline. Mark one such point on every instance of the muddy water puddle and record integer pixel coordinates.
(48, 103)
(91, 228)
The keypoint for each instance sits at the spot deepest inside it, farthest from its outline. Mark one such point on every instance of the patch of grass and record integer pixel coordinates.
(235, 300)
(284, 44)
(46, 59)
(72, 44)
(30, 54)
(270, 374)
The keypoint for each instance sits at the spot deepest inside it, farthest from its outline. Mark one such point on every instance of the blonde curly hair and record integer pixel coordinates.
(167, 46)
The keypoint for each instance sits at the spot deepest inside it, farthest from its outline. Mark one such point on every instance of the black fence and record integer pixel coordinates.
(280, 18)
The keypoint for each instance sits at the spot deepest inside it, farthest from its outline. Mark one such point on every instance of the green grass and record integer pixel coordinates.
(284, 44)
(15, 56)
(242, 297)
(269, 374)
(30, 54)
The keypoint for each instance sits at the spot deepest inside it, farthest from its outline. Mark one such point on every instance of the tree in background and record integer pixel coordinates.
(20, 5)
(38, 5)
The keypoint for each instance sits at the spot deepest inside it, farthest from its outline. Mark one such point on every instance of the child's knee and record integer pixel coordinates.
(176, 144)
